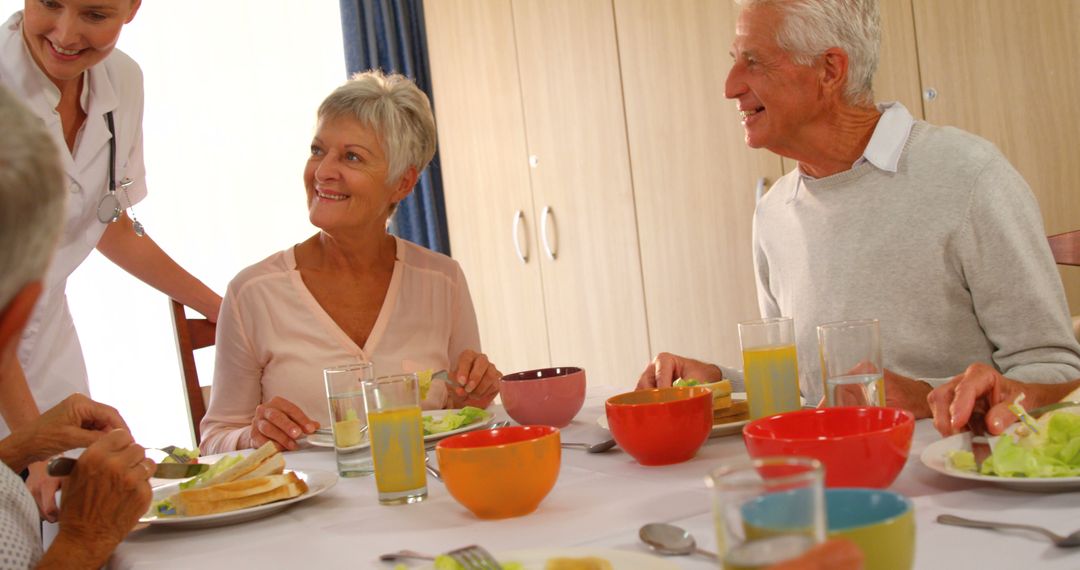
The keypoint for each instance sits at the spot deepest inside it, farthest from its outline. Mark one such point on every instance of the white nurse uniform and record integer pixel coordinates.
(49, 352)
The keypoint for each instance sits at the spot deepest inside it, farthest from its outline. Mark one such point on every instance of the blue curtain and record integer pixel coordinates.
(389, 35)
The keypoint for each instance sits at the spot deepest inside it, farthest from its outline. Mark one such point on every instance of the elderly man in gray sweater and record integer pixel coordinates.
(928, 229)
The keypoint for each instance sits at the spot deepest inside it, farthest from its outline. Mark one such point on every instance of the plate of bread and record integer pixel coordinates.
(236, 489)
(730, 410)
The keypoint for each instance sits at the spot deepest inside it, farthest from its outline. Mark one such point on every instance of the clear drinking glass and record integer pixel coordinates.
(397, 438)
(767, 510)
(345, 397)
(770, 366)
(851, 363)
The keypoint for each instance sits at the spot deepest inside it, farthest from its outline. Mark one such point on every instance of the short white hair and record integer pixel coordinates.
(396, 109)
(810, 27)
(31, 197)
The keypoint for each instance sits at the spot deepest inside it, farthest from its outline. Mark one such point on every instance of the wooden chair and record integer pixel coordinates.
(1066, 250)
(191, 335)
(1066, 247)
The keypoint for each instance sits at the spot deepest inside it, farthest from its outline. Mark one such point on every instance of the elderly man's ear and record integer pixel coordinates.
(13, 317)
(834, 68)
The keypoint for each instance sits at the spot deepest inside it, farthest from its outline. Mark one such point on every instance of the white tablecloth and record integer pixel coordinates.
(600, 500)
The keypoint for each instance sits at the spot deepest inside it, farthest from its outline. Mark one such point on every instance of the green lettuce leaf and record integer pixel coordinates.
(1054, 452)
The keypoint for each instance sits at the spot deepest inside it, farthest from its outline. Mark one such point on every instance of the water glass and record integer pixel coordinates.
(397, 438)
(348, 417)
(851, 363)
(767, 510)
(770, 366)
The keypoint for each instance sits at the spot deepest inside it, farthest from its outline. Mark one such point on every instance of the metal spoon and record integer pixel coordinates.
(434, 472)
(593, 447)
(1058, 540)
(670, 539)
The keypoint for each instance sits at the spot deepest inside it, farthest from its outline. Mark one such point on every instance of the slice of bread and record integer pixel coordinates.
(293, 487)
(245, 467)
(738, 411)
(237, 489)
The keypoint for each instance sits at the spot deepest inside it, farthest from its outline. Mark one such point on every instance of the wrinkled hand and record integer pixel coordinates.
(43, 487)
(952, 403)
(907, 394)
(834, 554)
(76, 422)
(281, 422)
(105, 495)
(478, 380)
(667, 368)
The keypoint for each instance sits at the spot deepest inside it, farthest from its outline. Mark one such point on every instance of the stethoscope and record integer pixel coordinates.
(109, 209)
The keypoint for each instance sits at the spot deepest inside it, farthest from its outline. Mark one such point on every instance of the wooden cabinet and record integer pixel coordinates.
(551, 70)
(695, 182)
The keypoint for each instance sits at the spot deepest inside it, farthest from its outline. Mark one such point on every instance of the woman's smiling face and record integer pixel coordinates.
(67, 37)
(346, 177)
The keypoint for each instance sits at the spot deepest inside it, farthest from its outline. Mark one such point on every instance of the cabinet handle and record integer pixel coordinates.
(548, 213)
(759, 189)
(515, 234)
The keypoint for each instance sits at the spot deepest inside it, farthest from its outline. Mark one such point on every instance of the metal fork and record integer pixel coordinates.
(474, 557)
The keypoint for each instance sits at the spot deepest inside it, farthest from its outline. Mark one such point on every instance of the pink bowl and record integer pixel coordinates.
(549, 396)
(859, 446)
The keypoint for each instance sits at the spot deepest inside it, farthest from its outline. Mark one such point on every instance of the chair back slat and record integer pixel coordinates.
(191, 335)
(1066, 247)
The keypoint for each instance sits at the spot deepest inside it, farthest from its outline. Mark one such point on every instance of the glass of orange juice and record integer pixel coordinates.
(396, 434)
(770, 366)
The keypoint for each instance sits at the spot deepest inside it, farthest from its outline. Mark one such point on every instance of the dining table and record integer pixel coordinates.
(600, 501)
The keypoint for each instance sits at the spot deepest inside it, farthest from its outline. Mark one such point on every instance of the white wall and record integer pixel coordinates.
(231, 93)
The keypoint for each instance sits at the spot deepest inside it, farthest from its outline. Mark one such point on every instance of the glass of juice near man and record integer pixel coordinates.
(396, 433)
(851, 368)
(770, 366)
(345, 397)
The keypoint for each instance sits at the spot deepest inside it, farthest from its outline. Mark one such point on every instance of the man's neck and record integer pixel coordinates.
(839, 143)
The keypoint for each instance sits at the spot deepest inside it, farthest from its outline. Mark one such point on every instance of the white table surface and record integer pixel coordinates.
(600, 500)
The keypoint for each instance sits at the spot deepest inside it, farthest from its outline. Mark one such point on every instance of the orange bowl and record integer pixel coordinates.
(501, 473)
(661, 426)
(859, 446)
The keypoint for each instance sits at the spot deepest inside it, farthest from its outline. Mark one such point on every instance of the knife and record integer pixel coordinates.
(980, 443)
(61, 466)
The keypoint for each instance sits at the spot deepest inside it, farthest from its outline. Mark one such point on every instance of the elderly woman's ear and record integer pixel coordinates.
(406, 184)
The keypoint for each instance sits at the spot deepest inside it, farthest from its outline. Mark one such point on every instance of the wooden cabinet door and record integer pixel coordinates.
(694, 177)
(897, 77)
(576, 130)
(482, 145)
(1006, 70)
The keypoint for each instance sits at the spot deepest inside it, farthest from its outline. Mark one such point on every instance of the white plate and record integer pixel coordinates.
(327, 440)
(718, 430)
(936, 457)
(317, 482)
(534, 559)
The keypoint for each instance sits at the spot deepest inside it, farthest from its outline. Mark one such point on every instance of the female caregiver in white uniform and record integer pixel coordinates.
(58, 56)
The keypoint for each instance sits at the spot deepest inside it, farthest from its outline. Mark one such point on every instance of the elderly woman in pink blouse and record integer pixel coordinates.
(351, 292)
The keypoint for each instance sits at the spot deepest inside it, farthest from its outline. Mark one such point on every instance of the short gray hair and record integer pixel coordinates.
(396, 109)
(31, 197)
(812, 26)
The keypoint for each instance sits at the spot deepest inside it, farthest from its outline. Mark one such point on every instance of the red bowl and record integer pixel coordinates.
(859, 446)
(661, 426)
(549, 396)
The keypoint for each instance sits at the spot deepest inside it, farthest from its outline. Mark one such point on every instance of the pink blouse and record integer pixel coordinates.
(274, 339)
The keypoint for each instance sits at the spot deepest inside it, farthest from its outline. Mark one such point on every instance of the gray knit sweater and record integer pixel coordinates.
(949, 253)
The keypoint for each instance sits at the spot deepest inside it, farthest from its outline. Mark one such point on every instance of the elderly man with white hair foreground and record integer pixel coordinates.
(109, 488)
(928, 229)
